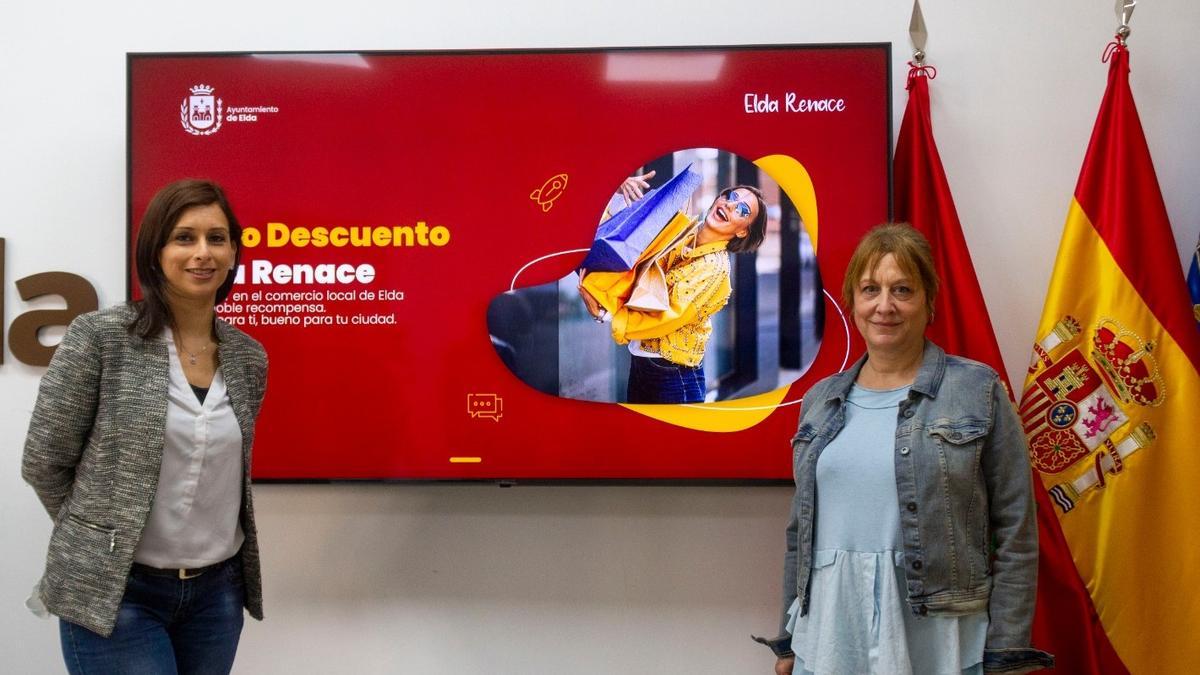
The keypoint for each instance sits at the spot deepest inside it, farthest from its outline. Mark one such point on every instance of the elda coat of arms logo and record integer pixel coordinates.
(1081, 412)
(200, 113)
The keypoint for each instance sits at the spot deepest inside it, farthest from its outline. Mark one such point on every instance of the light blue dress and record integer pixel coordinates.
(858, 620)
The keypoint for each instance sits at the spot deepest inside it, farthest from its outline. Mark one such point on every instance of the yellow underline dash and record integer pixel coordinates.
(466, 460)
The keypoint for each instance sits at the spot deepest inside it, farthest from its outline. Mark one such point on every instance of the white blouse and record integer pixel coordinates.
(194, 520)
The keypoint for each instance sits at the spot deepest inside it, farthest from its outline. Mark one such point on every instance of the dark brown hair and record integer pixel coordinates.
(162, 214)
(908, 246)
(758, 228)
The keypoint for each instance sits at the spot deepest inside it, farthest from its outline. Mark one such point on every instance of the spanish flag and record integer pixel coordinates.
(1111, 393)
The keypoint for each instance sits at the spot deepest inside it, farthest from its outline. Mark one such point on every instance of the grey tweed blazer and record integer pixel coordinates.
(93, 452)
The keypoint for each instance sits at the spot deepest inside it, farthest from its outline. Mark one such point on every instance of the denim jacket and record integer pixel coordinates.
(963, 480)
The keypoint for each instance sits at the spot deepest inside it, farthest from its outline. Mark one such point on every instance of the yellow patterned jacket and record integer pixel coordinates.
(698, 285)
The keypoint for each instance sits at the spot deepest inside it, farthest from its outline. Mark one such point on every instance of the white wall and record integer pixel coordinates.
(471, 578)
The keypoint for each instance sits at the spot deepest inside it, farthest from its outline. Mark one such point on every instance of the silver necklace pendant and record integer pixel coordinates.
(192, 356)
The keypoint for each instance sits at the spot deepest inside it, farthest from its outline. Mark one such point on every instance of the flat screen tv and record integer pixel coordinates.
(415, 224)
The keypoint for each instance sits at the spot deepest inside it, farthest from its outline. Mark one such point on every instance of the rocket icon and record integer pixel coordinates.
(552, 189)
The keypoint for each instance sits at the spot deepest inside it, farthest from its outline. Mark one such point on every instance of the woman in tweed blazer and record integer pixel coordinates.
(139, 449)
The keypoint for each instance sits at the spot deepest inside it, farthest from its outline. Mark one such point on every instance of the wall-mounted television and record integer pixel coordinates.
(415, 224)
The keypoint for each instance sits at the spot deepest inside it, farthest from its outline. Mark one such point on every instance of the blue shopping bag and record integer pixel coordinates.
(621, 239)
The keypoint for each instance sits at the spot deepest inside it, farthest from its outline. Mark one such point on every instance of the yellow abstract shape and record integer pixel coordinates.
(722, 416)
(551, 190)
(743, 413)
(1134, 541)
(793, 178)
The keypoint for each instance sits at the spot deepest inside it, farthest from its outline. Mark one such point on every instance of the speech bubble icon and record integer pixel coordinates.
(485, 405)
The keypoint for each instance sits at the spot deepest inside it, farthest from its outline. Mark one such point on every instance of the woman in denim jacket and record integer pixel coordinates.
(912, 541)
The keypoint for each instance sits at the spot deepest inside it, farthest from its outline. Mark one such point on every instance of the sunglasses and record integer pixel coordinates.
(739, 205)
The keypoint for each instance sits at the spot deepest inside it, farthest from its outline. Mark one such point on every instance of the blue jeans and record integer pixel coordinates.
(660, 381)
(165, 625)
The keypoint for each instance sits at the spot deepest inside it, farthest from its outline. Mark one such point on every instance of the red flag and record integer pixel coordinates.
(1065, 623)
(1110, 397)
(961, 325)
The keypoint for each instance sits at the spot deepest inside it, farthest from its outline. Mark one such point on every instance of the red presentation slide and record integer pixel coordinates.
(415, 227)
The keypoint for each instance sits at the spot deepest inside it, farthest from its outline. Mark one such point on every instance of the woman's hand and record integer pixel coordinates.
(785, 665)
(634, 187)
(593, 307)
